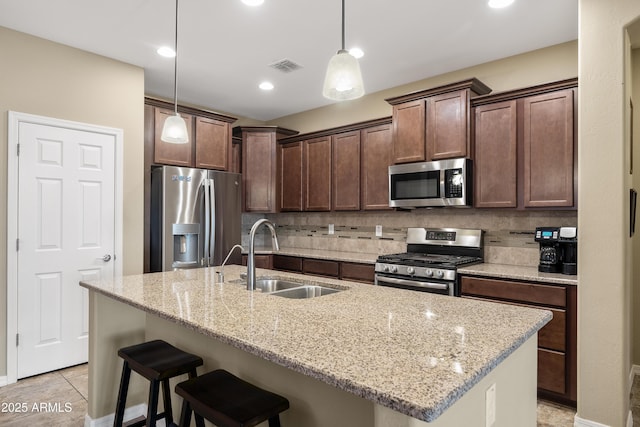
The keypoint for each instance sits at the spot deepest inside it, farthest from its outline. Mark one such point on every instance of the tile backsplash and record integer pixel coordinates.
(508, 237)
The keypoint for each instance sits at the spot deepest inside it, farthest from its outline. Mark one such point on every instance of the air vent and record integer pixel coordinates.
(285, 65)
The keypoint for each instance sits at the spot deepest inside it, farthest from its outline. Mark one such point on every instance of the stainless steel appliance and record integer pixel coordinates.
(431, 184)
(558, 249)
(431, 261)
(195, 217)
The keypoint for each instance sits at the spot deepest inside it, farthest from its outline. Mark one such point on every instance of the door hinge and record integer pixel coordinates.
(17, 340)
(17, 149)
(17, 245)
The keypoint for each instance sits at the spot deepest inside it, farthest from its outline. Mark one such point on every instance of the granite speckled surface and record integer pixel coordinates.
(414, 352)
(517, 272)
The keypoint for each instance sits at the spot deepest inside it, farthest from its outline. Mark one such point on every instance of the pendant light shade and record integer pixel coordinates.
(174, 130)
(343, 80)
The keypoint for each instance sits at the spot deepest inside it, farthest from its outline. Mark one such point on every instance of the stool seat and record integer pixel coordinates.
(228, 401)
(157, 361)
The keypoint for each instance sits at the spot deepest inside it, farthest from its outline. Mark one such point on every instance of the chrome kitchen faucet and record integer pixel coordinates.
(251, 266)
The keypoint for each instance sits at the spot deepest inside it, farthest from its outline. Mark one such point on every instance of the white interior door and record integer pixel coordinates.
(66, 228)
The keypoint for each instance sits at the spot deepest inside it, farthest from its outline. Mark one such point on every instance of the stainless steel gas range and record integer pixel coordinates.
(431, 261)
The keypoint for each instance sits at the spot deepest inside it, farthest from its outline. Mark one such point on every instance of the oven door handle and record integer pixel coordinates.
(430, 285)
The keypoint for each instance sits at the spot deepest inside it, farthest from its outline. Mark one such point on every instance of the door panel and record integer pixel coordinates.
(66, 225)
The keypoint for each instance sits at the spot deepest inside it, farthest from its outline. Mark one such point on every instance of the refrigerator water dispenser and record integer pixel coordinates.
(185, 245)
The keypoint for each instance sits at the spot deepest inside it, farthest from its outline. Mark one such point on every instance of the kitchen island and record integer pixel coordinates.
(365, 356)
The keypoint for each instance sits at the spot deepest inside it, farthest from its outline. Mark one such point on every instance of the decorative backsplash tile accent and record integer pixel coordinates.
(508, 238)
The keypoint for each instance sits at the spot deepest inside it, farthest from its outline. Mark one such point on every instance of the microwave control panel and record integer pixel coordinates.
(454, 183)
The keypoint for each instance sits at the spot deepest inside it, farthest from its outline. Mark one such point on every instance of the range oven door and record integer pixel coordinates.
(442, 287)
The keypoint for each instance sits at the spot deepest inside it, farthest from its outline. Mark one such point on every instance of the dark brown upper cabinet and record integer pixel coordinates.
(260, 184)
(525, 148)
(345, 188)
(434, 124)
(376, 157)
(209, 145)
(291, 173)
(317, 174)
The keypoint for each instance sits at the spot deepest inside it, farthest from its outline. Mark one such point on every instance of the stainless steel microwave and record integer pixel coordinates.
(431, 184)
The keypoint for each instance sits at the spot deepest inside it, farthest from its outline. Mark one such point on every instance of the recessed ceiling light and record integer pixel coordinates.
(356, 52)
(253, 2)
(266, 86)
(498, 4)
(166, 51)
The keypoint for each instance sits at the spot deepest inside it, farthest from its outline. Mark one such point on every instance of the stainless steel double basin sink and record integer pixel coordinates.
(289, 289)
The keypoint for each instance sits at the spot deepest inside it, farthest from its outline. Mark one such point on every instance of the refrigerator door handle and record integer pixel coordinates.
(207, 223)
(212, 222)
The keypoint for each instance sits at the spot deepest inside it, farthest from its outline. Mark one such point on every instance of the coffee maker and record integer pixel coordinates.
(547, 237)
(568, 241)
(558, 249)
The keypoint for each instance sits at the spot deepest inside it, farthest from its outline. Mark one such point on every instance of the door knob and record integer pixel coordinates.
(105, 258)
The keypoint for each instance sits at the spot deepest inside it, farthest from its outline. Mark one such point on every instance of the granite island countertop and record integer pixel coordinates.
(416, 353)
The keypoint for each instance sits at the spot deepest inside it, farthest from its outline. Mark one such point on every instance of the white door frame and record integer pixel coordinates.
(14, 120)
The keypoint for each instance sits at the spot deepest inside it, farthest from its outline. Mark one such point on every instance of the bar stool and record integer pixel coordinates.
(157, 361)
(228, 401)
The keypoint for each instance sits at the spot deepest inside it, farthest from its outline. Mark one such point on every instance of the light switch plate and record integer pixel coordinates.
(378, 231)
(332, 229)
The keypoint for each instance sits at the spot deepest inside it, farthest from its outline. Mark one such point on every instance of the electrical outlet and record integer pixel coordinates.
(378, 231)
(332, 229)
(490, 401)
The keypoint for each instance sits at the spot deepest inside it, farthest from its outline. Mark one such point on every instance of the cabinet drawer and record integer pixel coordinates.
(261, 261)
(515, 291)
(553, 336)
(358, 272)
(551, 371)
(321, 267)
(287, 263)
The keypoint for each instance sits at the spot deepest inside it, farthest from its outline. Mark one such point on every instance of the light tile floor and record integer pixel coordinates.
(60, 399)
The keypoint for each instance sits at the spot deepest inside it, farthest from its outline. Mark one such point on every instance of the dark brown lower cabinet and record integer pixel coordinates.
(261, 261)
(354, 271)
(557, 340)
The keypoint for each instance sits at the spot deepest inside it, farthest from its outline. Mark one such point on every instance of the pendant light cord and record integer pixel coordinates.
(175, 66)
(342, 24)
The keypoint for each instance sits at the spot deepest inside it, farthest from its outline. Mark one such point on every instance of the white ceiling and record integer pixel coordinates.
(225, 47)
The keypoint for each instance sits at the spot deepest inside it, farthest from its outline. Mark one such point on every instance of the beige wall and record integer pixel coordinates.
(541, 66)
(48, 79)
(604, 308)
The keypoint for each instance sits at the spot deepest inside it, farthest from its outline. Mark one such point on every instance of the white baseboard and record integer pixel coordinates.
(129, 413)
(4, 381)
(579, 422)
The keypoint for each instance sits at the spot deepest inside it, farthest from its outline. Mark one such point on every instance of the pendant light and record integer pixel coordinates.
(343, 80)
(175, 128)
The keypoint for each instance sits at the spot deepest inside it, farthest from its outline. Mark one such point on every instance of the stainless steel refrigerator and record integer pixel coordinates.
(195, 217)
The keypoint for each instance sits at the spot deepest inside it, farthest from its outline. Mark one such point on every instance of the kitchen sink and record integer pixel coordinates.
(305, 291)
(269, 285)
(289, 289)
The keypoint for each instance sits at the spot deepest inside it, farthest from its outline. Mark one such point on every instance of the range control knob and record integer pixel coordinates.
(394, 269)
(439, 274)
(385, 268)
(428, 272)
(411, 270)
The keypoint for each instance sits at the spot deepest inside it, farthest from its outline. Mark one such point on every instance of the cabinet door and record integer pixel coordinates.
(166, 153)
(447, 126)
(291, 174)
(236, 156)
(317, 161)
(495, 166)
(258, 171)
(377, 150)
(548, 149)
(409, 132)
(346, 171)
(213, 141)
